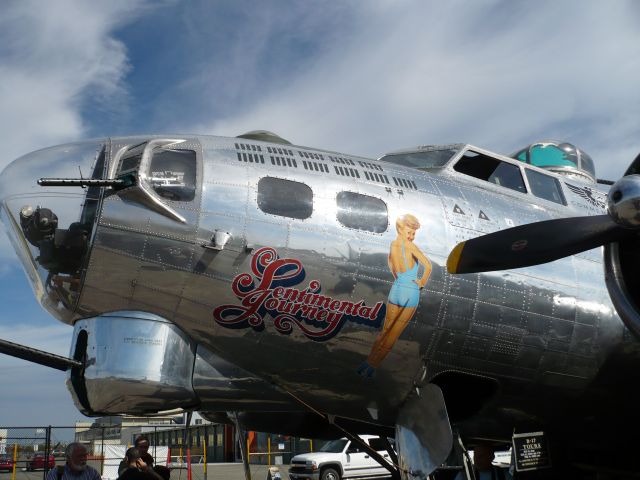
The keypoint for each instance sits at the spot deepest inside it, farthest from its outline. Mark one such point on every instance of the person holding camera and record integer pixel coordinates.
(137, 468)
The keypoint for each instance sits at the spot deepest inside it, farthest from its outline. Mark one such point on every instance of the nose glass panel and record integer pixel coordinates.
(51, 227)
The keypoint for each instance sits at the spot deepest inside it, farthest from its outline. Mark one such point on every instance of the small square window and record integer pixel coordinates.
(285, 198)
(362, 212)
(173, 174)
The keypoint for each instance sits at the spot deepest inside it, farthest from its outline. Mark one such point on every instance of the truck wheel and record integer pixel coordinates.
(329, 474)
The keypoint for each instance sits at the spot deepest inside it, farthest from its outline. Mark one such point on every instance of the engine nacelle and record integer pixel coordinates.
(623, 202)
(140, 363)
(133, 363)
(622, 264)
(622, 258)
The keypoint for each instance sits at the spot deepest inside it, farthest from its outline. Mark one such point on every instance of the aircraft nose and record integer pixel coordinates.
(50, 227)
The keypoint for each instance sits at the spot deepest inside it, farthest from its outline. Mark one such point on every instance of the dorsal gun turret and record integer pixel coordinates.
(559, 157)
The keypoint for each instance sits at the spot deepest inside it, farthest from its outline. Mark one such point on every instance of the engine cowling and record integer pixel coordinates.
(622, 262)
(139, 363)
(622, 258)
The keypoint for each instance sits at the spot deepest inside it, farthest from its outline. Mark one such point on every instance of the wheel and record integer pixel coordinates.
(329, 474)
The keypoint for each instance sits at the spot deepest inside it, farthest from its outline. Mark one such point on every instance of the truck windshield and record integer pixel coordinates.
(334, 446)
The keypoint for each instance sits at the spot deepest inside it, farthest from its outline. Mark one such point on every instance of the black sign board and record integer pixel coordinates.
(531, 451)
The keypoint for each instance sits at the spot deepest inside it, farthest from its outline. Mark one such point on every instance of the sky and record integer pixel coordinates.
(360, 77)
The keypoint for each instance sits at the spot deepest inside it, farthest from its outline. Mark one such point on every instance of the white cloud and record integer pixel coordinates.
(497, 74)
(54, 337)
(55, 55)
(54, 58)
(388, 74)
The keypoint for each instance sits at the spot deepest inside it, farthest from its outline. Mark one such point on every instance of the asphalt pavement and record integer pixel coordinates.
(215, 471)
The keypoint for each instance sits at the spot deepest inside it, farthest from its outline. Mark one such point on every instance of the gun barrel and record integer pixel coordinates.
(79, 182)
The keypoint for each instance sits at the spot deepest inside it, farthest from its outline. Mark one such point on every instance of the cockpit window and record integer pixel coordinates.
(492, 170)
(545, 186)
(173, 174)
(421, 159)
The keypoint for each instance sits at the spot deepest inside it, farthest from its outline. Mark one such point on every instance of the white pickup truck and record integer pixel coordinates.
(340, 459)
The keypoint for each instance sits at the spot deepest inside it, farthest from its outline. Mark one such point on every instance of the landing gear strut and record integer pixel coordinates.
(241, 437)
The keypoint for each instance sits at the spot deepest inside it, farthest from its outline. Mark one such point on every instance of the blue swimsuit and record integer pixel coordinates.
(405, 292)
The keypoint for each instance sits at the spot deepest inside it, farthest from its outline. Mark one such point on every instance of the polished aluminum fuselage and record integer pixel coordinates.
(534, 330)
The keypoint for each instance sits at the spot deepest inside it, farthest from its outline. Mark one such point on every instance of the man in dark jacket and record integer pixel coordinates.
(142, 444)
(137, 469)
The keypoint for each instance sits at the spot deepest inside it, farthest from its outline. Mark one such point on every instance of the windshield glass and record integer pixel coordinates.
(421, 159)
(491, 170)
(545, 186)
(334, 446)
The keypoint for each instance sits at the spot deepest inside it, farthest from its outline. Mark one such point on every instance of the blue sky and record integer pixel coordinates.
(353, 76)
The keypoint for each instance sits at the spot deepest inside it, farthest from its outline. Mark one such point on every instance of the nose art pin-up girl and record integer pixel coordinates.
(404, 260)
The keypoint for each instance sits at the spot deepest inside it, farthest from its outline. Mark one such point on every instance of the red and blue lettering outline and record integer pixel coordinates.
(319, 317)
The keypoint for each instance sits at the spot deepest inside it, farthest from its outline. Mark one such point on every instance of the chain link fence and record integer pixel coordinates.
(28, 453)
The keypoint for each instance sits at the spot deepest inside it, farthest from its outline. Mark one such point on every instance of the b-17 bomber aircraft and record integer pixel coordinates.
(301, 291)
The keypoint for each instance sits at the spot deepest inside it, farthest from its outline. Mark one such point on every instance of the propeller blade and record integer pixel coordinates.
(534, 243)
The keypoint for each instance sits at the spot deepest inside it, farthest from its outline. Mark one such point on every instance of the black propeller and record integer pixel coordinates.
(541, 242)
